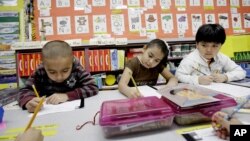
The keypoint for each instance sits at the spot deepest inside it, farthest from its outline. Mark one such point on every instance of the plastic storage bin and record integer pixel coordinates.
(201, 112)
(120, 117)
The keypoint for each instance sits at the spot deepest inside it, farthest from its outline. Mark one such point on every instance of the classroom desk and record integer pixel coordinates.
(67, 122)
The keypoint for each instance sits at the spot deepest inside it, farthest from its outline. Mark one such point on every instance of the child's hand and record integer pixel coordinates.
(219, 78)
(221, 125)
(57, 98)
(31, 105)
(205, 80)
(31, 134)
(133, 93)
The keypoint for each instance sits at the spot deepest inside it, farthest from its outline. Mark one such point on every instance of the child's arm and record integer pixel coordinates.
(130, 92)
(232, 70)
(184, 71)
(85, 86)
(27, 94)
(57, 98)
(221, 125)
(171, 79)
(32, 104)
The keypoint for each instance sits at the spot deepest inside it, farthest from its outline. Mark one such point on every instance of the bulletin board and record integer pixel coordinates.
(137, 19)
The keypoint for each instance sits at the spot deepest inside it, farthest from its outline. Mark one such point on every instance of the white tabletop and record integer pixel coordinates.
(67, 122)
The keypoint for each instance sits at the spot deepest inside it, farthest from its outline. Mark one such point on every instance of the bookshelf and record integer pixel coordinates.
(97, 59)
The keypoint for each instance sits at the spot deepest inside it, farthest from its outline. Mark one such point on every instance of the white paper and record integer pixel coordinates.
(147, 91)
(232, 90)
(206, 134)
(63, 107)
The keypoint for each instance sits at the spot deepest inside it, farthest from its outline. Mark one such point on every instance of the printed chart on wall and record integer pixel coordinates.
(137, 19)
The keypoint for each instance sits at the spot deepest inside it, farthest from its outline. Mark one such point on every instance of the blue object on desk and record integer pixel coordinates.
(248, 72)
(1, 114)
(238, 107)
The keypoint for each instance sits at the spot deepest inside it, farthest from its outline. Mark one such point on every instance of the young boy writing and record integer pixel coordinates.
(60, 78)
(146, 68)
(205, 64)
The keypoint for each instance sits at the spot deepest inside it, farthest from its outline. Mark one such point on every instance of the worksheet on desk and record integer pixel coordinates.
(232, 90)
(199, 133)
(63, 107)
(148, 91)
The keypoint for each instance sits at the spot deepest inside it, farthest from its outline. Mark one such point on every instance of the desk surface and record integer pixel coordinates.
(67, 122)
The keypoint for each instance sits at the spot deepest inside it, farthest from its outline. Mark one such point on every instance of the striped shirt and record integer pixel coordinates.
(78, 84)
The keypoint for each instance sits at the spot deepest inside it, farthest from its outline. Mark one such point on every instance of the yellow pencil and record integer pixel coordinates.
(134, 84)
(38, 107)
(34, 88)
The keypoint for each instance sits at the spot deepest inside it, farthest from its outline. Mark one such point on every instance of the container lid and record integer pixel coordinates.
(118, 112)
(186, 95)
(206, 109)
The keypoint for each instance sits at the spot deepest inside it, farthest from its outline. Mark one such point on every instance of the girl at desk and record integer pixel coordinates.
(146, 68)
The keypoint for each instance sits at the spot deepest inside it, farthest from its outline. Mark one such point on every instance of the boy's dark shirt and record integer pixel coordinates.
(78, 84)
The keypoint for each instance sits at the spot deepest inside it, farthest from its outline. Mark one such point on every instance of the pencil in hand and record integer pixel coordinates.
(138, 92)
(237, 108)
(34, 88)
(199, 71)
(38, 107)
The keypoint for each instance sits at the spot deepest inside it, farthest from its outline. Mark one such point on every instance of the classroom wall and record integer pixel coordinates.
(236, 43)
(19, 8)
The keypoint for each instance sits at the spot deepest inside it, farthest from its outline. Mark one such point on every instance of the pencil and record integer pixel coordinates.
(199, 71)
(134, 84)
(34, 88)
(237, 108)
(35, 113)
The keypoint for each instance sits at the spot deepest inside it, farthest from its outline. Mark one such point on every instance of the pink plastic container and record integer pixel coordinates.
(198, 113)
(119, 117)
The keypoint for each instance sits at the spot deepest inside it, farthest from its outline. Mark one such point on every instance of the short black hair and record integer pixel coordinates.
(211, 33)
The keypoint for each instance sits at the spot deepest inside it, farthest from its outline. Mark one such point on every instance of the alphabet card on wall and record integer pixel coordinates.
(64, 25)
(223, 20)
(81, 24)
(196, 22)
(137, 19)
(167, 23)
(46, 22)
(151, 22)
(117, 24)
(99, 24)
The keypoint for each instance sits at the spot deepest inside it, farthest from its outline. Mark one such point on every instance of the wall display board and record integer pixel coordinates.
(136, 19)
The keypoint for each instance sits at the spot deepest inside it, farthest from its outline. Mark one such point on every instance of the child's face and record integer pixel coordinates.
(58, 69)
(208, 49)
(151, 56)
